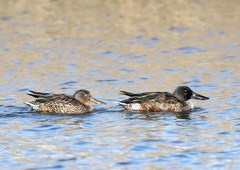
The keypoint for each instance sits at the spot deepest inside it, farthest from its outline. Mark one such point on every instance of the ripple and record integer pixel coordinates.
(232, 57)
(5, 18)
(224, 133)
(44, 128)
(47, 167)
(107, 80)
(190, 50)
(67, 159)
(81, 143)
(179, 29)
(142, 148)
(124, 163)
(69, 83)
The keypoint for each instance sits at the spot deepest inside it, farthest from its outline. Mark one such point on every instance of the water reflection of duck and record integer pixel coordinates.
(80, 102)
(161, 101)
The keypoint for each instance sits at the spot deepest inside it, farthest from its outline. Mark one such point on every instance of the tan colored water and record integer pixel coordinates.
(107, 46)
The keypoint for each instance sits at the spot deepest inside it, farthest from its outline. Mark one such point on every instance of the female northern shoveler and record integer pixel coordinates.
(161, 101)
(80, 102)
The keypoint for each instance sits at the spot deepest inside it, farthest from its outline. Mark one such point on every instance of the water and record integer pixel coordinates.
(105, 47)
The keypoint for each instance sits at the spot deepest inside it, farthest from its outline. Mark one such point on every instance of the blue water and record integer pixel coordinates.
(34, 57)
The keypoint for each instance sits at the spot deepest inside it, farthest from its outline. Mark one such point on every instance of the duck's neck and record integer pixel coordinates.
(89, 106)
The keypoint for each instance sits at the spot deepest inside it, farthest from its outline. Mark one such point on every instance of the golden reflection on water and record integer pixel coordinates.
(115, 22)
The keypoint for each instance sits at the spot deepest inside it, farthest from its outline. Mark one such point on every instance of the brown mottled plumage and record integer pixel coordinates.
(161, 101)
(80, 102)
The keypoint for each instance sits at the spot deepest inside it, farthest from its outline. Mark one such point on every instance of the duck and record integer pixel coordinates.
(80, 102)
(178, 101)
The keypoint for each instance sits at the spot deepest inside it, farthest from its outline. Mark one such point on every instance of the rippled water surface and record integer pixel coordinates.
(108, 46)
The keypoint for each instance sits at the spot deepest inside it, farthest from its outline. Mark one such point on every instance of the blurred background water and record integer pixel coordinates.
(106, 46)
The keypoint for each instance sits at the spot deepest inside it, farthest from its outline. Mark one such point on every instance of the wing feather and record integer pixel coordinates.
(54, 98)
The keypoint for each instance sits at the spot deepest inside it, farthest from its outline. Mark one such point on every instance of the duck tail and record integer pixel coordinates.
(32, 105)
(28, 104)
(124, 105)
(127, 93)
(131, 106)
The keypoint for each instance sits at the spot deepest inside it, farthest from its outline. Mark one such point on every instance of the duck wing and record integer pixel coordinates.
(161, 97)
(130, 94)
(41, 94)
(140, 97)
(51, 97)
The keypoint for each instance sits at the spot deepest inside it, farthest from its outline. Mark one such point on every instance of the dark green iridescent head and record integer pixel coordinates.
(184, 93)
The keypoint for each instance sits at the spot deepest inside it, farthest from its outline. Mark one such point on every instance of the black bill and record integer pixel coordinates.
(199, 97)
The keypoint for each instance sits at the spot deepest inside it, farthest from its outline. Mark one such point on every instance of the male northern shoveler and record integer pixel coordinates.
(80, 102)
(161, 101)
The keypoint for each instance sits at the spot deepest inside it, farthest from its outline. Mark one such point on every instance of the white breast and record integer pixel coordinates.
(134, 106)
(190, 104)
